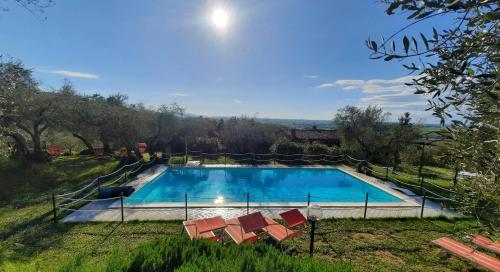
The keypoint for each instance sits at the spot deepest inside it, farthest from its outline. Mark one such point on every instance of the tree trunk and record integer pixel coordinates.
(85, 142)
(38, 153)
(21, 148)
(455, 177)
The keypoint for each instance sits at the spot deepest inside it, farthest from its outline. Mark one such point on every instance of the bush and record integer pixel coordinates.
(182, 254)
(317, 149)
(177, 160)
(287, 147)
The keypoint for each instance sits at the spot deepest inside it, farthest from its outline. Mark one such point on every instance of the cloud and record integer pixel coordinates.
(326, 85)
(371, 85)
(236, 101)
(179, 94)
(67, 73)
(345, 84)
(392, 95)
(311, 76)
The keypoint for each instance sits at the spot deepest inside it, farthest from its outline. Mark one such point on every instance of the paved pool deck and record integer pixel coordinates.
(110, 210)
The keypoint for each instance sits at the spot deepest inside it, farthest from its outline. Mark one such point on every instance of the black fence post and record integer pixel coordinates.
(121, 206)
(225, 158)
(308, 199)
(54, 211)
(421, 185)
(386, 173)
(248, 202)
(99, 186)
(423, 207)
(366, 205)
(186, 205)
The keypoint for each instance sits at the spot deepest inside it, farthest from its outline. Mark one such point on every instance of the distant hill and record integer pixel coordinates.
(320, 124)
(298, 123)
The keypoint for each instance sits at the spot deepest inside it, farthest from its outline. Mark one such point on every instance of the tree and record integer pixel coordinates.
(79, 115)
(458, 70)
(404, 134)
(35, 7)
(26, 111)
(245, 135)
(366, 130)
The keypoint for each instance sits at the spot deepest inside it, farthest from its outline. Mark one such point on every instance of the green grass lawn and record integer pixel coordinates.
(29, 241)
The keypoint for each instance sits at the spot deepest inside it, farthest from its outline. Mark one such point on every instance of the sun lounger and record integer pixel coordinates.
(485, 242)
(252, 222)
(236, 232)
(293, 218)
(468, 253)
(255, 221)
(278, 231)
(203, 228)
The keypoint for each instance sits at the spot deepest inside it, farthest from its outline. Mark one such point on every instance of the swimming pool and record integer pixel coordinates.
(273, 185)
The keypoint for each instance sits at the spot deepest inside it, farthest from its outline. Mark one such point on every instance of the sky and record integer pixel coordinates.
(273, 59)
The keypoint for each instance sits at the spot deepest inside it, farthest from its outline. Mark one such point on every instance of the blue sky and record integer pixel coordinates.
(279, 59)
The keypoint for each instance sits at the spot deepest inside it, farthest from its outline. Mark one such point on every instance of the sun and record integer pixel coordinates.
(220, 18)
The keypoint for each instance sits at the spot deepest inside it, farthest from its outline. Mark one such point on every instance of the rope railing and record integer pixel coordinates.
(395, 210)
(68, 199)
(134, 168)
(99, 178)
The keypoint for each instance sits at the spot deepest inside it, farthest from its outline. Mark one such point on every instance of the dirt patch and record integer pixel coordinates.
(389, 257)
(369, 238)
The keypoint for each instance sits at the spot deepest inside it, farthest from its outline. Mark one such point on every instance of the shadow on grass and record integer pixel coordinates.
(31, 236)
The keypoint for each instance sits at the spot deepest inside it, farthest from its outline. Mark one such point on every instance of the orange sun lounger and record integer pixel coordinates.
(255, 221)
(278, 231)
(485, 242)
(236, 232)
(468, 253)
(203, 228)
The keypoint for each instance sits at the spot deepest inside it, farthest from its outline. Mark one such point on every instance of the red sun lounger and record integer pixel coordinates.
(203, 228)
(485, 242)
(236, 232)
(252, 222)
(255, 221)
(278, 231)
(468, 253)
(293, 218)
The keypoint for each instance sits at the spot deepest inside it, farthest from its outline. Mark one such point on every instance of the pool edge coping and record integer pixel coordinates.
(407, 201)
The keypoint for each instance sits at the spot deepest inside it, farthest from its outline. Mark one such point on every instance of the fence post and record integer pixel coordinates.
(386, 173)
(423, 206)
(225, 158)
(308, 199)
(366, 205)
(121, 206)
(274, 158)
(54, 211)
(248, 202)
(421, 185)
(99, 185)
(186, 205)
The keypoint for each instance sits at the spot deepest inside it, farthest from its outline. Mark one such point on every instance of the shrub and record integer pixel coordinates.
(287, 147)
(182, 254)
(177, 160)
(317, 149)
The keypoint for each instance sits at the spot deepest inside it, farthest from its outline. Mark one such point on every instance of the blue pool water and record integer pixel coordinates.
(263, 184)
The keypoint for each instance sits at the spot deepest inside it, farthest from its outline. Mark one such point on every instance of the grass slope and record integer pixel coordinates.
(29, 241)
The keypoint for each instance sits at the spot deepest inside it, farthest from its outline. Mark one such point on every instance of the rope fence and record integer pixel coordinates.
(87, 193)
(73, 201)
(371, 209)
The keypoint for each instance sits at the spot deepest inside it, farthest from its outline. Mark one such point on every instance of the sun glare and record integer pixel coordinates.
(220, 18)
